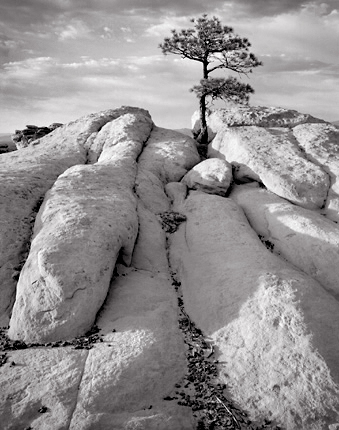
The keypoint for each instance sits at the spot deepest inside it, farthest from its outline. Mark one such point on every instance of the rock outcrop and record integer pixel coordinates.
(22, 138)
(88, 219)
(261, 116)
(321, 145)
(145, 288)
(272, 157)
(213, 176)
(259, 310)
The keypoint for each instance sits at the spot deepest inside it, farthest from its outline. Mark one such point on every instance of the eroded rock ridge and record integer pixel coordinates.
(111, 222)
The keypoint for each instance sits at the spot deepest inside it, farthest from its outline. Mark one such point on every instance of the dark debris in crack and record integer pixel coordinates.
(170, 220)
(81, 342)
(3, 359)
(269, 245)
(200, 389)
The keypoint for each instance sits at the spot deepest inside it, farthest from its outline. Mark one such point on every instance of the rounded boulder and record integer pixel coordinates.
(213, 176)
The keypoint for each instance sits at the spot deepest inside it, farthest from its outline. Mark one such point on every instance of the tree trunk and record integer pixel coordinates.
(203, 137)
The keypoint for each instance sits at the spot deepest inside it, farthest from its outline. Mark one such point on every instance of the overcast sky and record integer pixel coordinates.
(61, 59)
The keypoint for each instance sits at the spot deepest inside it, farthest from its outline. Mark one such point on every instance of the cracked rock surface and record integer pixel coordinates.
(145, 289)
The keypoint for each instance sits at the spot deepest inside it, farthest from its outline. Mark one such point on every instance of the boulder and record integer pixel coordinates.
(25, 177)
(321, 145)
(271, 156)
(176, 192)
(271, 323)
(87, 220)
(22, 138)
(243, 115)
(127, 377)
(306, 239)
(40, 388)
(212, 176)
(167, 157)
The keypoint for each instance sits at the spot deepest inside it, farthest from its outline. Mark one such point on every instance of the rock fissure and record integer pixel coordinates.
(76, 400)
(200, 388)
(71, 297)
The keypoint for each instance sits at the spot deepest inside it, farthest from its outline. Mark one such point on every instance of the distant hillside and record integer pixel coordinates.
(5, 139)
(336, 123)
(186, 131)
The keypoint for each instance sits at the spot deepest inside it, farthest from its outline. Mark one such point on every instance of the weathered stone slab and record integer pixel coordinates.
(40, 390)
(88, 219)
(177, 193)
(272, 325)
(242, 115)
(321, 144)
(25, 177)
(212, 176)
(303, 237)
(150, 248)
(127, 377)
(167, 157)
(273, 157)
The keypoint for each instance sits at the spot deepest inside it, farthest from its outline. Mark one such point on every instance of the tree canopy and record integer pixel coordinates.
(216, 47)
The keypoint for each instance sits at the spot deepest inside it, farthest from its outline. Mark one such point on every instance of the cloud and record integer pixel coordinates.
(45, 85)
(74, 29)
(48, 77)
(271, 8)
(6, 45)
(166, 24)
(64, 58)
(284, 63)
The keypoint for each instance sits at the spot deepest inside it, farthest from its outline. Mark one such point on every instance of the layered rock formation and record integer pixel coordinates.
(22, 138)
(110, 222)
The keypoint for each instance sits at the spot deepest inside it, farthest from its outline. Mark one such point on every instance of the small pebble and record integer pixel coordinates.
(43, 409)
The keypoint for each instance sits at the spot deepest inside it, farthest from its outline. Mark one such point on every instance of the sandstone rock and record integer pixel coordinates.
(25, 177)
(40, 378)
(303, 237)
(88, 219)
(242, 115)
(167, 157)
(126, 377)
(270, 322)
(66, 277)
(146, 349)
(99, 253)
(22, 138)
(212, 176)
(272, 157)
(149, 251)
(177, 193)
(321, 145)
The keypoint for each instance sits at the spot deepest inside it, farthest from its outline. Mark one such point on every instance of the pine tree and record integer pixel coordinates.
(216, 47)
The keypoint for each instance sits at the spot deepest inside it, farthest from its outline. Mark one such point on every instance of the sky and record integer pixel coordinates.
(61, 59)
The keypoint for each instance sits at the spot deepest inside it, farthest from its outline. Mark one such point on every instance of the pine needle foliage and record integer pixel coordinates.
(216, 47)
